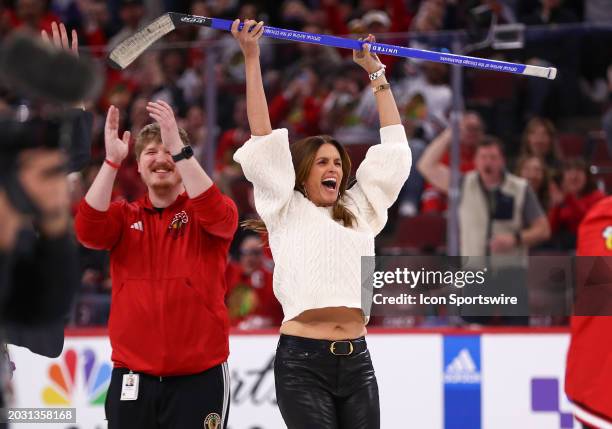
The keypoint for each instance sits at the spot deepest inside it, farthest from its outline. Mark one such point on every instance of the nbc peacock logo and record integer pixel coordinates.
(77, 373)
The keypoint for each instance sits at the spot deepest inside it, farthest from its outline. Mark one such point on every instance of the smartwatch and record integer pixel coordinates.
(185, 153)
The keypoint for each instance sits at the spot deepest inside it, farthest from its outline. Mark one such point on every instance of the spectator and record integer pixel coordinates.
(308, 55)
(222, 7)
(337, 17)
(32, 14)
(498, 211)
(298, 108)
(424, 104)
(173, 65)
(232, 138)
(97, 25)
(429, 19)
(579, 194)
(294, 14)
(471, 135)
(499, 215)
(540, 139)
(138, 115)
(533, 169)
(426, 99)
(232, 58)
(68, 11)
(228, 173)
(143, 76)
(192, 81)
(383, 16)
(338, 107)
(195, 125)
(377, 22)
(202, 8)
(121, 95)
(131, 13)
(423, 98)
(250, 298)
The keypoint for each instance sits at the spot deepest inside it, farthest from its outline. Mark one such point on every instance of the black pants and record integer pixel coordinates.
(318, 389)
(179, 402)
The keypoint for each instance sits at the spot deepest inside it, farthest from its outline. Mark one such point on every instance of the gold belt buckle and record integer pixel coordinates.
(333, 345)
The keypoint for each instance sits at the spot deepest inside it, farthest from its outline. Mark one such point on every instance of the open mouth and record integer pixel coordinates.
(160, 170)
(330, 183)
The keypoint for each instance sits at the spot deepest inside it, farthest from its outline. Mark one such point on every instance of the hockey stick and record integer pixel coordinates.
(128, 50)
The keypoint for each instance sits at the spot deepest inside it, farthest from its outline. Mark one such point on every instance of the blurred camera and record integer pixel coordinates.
(50, 79)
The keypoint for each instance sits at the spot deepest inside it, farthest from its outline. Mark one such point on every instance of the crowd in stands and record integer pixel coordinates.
(551, 130)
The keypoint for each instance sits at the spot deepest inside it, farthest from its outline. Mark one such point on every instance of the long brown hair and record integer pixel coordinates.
(303, 153)
(555, 154)
(590, 184)
(542, 193)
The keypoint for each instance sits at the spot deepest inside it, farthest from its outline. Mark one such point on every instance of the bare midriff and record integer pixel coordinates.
(330, 323)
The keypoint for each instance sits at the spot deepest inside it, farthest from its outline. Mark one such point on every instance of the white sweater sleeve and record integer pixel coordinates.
(381, 175)
(266, 163)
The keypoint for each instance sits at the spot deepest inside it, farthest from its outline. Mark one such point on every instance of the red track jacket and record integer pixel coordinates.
(168, 315)
(588, 381)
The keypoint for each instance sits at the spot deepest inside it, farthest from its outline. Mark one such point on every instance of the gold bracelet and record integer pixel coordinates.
(381, 87)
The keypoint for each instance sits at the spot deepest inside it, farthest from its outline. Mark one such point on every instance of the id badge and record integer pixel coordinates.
(129, 387)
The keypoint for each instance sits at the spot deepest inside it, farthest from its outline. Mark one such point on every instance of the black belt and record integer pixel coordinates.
(337, 348)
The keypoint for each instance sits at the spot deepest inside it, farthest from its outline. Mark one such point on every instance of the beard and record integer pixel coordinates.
(161, 186)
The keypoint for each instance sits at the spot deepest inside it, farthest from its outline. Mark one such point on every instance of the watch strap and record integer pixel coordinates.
(185, 153)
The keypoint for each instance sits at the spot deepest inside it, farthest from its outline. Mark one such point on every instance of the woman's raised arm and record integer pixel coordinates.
(257, 106)
(387, 108)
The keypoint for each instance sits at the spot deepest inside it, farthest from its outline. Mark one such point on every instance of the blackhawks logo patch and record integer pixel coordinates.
(178, 224)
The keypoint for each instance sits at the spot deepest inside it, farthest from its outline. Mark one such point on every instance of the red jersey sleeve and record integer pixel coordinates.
(216, 213)
(97, 229)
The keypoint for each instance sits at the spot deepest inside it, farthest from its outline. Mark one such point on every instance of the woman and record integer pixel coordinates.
(540, 139)
(318, 231)
(579, 194)
(533, 169)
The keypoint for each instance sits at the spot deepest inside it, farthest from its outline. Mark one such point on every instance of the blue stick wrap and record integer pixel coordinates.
(380, 48)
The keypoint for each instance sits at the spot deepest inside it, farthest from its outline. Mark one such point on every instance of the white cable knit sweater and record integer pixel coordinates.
(318, 260)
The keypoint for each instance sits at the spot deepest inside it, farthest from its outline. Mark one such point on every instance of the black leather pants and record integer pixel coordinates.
(318, 389)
